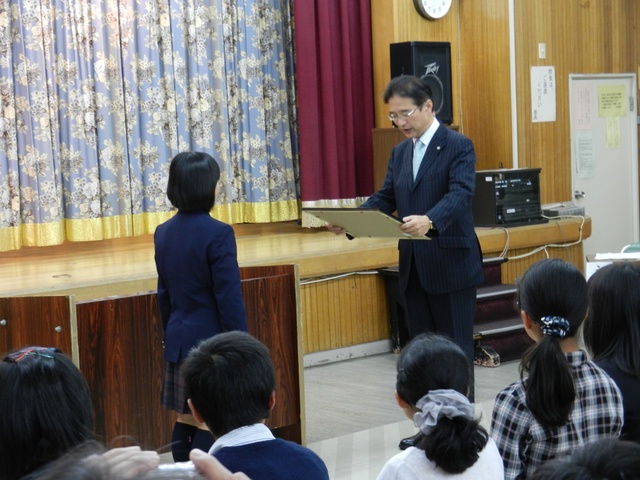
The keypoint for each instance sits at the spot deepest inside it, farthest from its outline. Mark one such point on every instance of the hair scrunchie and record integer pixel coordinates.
(441, 403)
(555, 326)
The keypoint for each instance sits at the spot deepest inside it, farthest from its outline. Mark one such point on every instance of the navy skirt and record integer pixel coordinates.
(174, 391)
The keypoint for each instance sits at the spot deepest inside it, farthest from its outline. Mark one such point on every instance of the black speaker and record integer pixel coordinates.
(431, 61)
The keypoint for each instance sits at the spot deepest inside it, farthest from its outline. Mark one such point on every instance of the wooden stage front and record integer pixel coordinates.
(338, 306)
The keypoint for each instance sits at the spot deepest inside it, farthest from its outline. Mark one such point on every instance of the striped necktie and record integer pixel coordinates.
(418, 153)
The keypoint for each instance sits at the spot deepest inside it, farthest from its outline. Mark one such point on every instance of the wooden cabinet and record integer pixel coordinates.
(24, 322)
(271, 298)
(117, 344)
(121, 356)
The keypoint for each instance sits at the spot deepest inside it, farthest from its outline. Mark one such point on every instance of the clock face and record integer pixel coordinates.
(433, 9)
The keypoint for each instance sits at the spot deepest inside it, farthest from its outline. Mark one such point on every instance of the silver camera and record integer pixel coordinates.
(176, 471)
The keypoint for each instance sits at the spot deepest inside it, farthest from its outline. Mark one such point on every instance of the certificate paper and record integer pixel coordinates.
(363, 222)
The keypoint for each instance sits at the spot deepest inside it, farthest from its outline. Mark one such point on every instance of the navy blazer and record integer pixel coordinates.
(199, 292)
(443, 190)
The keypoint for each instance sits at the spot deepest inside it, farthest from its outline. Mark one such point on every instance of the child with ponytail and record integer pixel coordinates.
(562, 400)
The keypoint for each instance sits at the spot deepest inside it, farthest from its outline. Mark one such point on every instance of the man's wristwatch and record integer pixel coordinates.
(433, 230)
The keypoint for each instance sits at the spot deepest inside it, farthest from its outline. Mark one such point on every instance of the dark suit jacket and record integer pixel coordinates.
(199, 291)
(443, 190)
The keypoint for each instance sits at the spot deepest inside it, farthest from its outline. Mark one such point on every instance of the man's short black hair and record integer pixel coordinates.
(409, 86)
(230, 379)
(193, 177)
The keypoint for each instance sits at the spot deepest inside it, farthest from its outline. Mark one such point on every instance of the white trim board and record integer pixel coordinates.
(347, 353)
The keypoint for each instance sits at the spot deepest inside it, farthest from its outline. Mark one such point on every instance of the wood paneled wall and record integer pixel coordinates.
(581, 36)
(513, 269)
(486, 82)
(347, 311)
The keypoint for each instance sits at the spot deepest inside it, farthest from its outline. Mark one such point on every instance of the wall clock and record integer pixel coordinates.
(433, 9)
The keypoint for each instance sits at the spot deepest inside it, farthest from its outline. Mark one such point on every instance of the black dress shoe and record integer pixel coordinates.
(409, 442)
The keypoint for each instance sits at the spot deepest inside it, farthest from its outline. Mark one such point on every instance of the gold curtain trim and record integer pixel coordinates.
(265, 212)
(118, 226)
(31, 235)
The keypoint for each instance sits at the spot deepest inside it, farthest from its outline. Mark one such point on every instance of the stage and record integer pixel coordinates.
(342, 299)
(124, 266)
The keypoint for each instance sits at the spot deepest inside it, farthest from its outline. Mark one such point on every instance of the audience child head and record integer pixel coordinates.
(612, 327)
(432, 385)
(552, 299)
(193, 177)
(611, 334)
(230, 382)
(45, 409)
(609, 459)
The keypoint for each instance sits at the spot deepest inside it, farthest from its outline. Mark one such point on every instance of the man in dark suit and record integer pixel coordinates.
(432, 196)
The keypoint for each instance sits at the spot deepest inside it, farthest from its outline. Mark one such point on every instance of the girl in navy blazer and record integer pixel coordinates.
(199, 291)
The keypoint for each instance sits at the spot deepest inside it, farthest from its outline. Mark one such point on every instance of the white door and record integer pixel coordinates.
(604, 157)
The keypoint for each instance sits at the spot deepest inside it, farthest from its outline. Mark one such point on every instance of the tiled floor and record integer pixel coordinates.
(353, 422)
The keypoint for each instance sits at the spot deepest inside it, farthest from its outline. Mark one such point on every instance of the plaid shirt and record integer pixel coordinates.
(524, 444)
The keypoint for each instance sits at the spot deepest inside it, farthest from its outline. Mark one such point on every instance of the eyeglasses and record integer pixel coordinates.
(403, 115)
(15, 357)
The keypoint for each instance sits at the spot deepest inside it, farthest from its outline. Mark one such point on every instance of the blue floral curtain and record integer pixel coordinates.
(97, 96)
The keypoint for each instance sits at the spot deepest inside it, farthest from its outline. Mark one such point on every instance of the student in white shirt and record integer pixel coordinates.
(432, 383)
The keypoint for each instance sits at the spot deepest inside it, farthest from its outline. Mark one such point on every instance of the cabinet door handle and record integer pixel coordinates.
(58, 329)
(3, 323)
